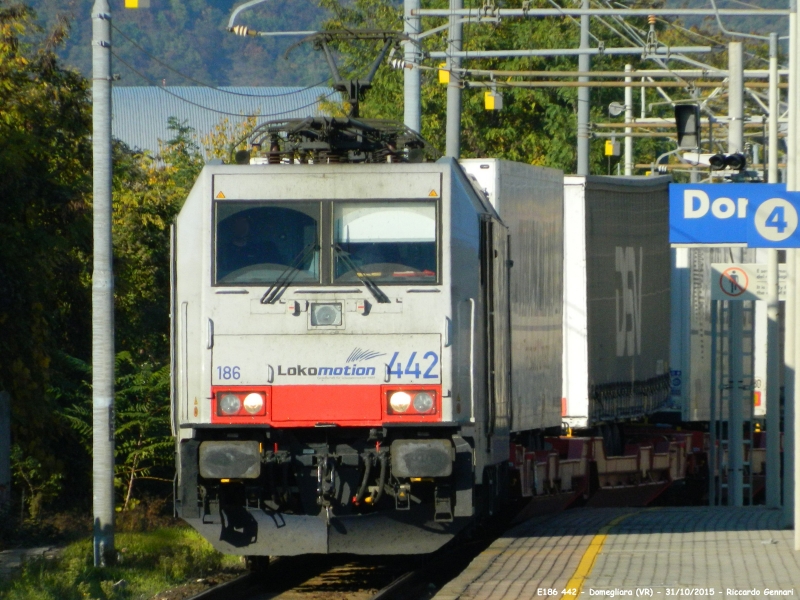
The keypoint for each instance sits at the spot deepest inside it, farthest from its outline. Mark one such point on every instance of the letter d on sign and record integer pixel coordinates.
(689, 198)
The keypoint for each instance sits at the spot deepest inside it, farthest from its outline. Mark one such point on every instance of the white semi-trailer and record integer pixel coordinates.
(616, 299)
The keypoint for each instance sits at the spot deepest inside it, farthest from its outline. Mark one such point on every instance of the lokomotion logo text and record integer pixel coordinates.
(350, 368)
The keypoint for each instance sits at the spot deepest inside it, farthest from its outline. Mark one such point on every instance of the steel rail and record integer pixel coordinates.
(227, 590)
(396, 586)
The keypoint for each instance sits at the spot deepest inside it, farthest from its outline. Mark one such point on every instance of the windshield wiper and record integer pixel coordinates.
(288, 274)
(365, 279)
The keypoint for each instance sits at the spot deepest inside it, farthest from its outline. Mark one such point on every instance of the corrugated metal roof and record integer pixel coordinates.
(140, 113)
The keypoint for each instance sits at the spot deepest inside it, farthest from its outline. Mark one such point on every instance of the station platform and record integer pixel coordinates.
(687, 552)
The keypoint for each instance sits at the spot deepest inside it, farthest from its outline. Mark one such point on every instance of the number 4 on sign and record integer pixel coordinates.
(777, 219)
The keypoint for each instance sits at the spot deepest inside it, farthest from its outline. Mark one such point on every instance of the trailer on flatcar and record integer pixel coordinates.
(616, 299)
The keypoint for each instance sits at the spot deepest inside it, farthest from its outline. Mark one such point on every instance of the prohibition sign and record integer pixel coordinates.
(733, 282)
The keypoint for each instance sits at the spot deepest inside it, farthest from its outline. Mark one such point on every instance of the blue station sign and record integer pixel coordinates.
(761, 215)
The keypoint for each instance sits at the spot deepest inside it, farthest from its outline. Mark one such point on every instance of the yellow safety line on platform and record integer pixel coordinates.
(574, 585)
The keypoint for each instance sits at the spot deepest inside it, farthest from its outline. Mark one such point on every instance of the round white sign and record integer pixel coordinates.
(776, 219)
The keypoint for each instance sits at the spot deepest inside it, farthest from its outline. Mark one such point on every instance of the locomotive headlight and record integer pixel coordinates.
(229, 404)
(253, 403)
(399, 402)
(329, 314)
(423, 402)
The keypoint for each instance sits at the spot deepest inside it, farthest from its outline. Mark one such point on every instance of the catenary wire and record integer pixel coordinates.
(208, 108)
(213, 87)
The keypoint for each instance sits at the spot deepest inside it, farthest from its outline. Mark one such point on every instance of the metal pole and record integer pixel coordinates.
(5, 450)
(774, 108)
(584, 65)
(560, 83)
(736, 410)
(655, 74)
(628, 119)
(560, 12)
(679, 318)
(102, 291)
(411, 77)
(789, 345)
(712, 426)
(643, 98)
(773, 386)
(791, 447)
(790, 479)
(664, 52)
(735, 97)
(453, 135)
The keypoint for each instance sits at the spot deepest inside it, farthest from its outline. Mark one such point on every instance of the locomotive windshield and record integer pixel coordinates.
(257, 243)
(382, 242)
(388, 242)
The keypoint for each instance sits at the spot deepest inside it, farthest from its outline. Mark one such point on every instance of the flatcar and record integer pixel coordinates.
(357, 338)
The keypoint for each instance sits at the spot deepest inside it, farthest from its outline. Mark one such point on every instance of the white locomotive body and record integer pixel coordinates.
(342, 340)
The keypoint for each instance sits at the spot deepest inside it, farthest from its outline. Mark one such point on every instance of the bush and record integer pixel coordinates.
(148, 563)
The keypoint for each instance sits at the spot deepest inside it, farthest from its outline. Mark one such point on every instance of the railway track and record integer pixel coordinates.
(319, 577)
(316, 577)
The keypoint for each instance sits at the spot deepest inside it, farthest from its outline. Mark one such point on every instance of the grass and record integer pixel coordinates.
(149, 563)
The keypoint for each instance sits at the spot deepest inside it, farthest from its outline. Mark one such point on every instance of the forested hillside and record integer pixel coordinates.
(190, 36)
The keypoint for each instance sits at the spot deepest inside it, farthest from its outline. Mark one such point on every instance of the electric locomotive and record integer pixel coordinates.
(343, 319)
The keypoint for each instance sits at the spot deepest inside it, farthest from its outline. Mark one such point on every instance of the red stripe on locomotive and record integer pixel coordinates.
(310, 405)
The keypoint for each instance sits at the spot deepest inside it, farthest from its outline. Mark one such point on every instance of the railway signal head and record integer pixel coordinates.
(687, 121)
(735, 162)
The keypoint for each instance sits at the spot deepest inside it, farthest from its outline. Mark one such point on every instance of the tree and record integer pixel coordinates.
(45, 260)
(148, 193)
(45, 159)
(40, 485)
(537, 126)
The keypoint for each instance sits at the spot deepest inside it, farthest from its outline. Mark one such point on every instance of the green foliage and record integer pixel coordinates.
(45, 159)
(142, 441)
(148, 563)
(225, 138)
(45, 271)
(148, 193)
(536, 125)
(41, 486)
